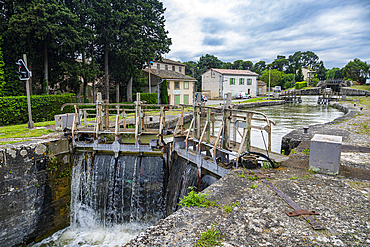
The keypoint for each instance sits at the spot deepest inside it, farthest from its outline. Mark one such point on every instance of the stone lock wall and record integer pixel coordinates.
(34, 191)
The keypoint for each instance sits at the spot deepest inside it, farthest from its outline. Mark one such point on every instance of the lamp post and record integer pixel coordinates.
(150, 87)
(269, 86)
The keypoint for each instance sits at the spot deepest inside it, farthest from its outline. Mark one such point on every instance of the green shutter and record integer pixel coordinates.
(186, 99)
(177, 99)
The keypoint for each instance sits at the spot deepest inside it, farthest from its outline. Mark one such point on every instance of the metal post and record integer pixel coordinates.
(269, 85)
(150, 87)
(31, 124)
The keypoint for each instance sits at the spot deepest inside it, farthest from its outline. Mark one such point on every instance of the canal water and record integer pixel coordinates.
(97, 224)
(292, 116)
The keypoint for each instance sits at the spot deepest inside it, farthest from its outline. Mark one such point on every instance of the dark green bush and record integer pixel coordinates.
(13, 109)
(150, 98)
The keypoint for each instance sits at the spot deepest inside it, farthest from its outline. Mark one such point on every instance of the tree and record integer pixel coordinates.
(280, 63)
(288, 80)
(205, 63)
(334, 73)
(299, 76)
(247, 65)
(164, 92)
(276, 77)
(2, 81)
(51, 24)
(321, 71)
(356, 70)
(259, 67)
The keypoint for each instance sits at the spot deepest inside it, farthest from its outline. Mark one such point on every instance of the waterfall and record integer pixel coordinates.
(114, 191)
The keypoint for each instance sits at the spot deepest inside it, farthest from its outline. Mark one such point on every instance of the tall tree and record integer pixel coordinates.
(356, 70)
(276, 77)
(259, 67)
(51, 23)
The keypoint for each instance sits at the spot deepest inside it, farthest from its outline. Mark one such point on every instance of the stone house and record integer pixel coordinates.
(180, 86)
(262, 88)
(218, 82)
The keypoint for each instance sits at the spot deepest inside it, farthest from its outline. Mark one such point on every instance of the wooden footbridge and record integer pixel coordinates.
(217, 139)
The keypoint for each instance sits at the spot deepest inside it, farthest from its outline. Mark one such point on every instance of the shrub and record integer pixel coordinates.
(14, 110)
(301, 84)
(150, 98)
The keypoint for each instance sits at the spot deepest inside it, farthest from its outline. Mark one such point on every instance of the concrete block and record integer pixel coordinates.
(64, 121)
(325, 153)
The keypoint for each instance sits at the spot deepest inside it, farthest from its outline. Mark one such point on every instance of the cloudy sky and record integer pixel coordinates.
(337, 31)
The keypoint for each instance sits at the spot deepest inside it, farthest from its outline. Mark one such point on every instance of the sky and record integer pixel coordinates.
(337, 31)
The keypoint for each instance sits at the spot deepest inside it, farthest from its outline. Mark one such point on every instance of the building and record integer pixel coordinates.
(218, 82)
(180, 86)
(262, 88)
(167, 64)
(307, 74)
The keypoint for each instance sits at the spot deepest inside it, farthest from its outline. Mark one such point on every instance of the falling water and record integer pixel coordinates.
(112, 200)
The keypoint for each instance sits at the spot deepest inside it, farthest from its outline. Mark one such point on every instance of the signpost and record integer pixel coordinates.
(24, 75)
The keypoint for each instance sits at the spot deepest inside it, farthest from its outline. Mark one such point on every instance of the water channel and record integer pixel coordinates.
(88, 231)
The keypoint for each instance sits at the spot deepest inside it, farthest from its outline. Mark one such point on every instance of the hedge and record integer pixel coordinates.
(150, 98)
(14, 110)
(301, 84)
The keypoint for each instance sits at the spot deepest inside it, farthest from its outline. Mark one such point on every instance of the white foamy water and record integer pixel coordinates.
(113, 236)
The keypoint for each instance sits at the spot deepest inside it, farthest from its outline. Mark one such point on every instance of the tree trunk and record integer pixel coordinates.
(93, 68)
(129, 90)
(46, 66)
(84, 75)
(106, 72)
(117, 92)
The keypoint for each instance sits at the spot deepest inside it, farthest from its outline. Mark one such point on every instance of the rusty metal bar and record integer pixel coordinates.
(314, 223)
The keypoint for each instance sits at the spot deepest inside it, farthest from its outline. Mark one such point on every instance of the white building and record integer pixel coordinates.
(218, 82)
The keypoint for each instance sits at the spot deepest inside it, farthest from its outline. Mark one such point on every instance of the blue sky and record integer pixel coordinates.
(337, 31)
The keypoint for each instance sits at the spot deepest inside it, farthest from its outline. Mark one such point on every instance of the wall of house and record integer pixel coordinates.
(181, 91)
(162, 66)
(261, 90)
(237, 88)
(211, 81)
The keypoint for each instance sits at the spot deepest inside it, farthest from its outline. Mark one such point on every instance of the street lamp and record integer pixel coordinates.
(150, 88)
(269, 86)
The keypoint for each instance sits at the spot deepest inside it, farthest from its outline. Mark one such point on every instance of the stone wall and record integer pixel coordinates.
(34, 191)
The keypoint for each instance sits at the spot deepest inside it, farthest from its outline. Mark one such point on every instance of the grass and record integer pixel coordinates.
(211, 237)
(194, 199)
(255, 100)
(361, 87)
(363, 100)
(21, 130)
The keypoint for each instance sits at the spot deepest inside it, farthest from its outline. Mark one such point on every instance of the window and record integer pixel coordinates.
(173, 68)
(177, 85)
(241, 81)
(232, 81)
(180, 69)
(249, 81)
(168, 84)
(158, 66)
(186, 85)
(166, 67)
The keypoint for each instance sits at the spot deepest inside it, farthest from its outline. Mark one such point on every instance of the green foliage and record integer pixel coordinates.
(254, 186)
(299, 76)
(306, 151)
(150, 98)
(14, 109)
(227, 208)
(357, 70)
(334, 73)
(301, 84)
(2, 79)
(194, 199)
(211, 237)
(164, 92)
(276, 77)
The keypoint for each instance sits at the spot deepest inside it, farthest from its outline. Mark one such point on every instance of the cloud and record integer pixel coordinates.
(337, 31)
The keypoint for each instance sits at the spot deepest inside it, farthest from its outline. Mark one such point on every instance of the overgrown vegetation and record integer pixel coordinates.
(13, 109)
(211, 237)
(194, 199)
